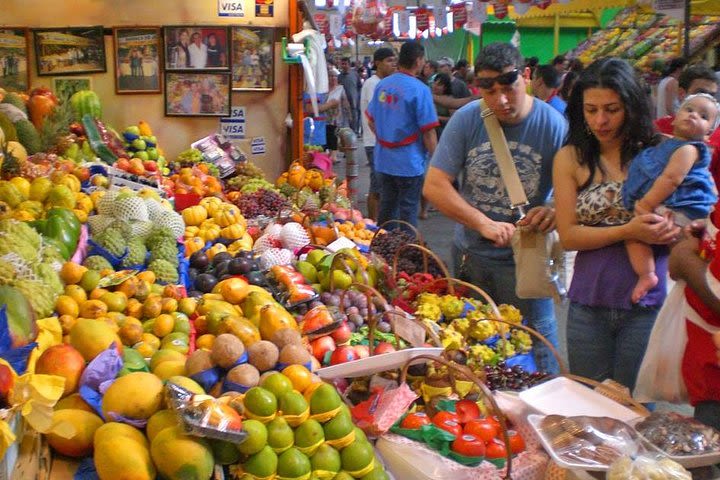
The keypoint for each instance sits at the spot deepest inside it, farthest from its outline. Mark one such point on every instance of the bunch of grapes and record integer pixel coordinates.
(356, 308)
(189, 157)
(245, 172)
(261, 203)
(502, 377)
(410, 260)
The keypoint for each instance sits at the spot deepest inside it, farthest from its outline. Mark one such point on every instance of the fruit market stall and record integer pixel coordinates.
(648, 39)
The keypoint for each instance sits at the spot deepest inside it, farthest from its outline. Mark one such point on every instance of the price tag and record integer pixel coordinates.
(408, 329)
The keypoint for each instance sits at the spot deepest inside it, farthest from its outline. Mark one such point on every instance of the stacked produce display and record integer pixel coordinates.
(159, 322)
(648, 40)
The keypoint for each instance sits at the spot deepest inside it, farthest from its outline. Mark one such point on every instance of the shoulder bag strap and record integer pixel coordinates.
(508, 172)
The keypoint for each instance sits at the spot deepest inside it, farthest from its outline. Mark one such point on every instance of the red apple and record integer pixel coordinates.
(342, 334)
(321, 346)
(384, 347)
(467, 410)
(342, 354)
(6, 381)
(64, 361)
(362, 351)
(150, 166)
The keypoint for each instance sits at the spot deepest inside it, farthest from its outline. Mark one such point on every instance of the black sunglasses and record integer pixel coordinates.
(507, 78)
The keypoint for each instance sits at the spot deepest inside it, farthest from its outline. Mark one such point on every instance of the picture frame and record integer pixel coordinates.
(14, 55)
(70, 51)
(137, 59)
(196, 94)
(65, 87)
(190, 47)
(253, 63)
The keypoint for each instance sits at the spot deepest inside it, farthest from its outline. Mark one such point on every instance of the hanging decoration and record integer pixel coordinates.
(422, 20)
(366, 18)
(403, 23)
(388, 21)
(335, 24)
(321, 20)
(440, 15)
(521, 6)
(500, 9)
(459, 14)
(542, 4)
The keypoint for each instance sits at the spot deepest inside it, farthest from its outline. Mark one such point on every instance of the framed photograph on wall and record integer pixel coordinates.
(253, 63)
(70, 51)
(14, 49)
(196, 47)
(137, 59)
(191, 94)
(64, 88)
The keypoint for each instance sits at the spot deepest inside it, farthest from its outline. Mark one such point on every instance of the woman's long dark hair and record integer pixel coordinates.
(637, 132)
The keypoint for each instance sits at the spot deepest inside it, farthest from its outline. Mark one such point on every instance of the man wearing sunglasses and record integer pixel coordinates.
(486, 222)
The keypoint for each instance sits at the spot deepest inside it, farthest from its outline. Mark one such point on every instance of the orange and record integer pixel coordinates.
(163, 325)
(71, 273)
(134, 308)
(299, 375)
(96, 293)
(129, 287)
(76, 292)
(93, 309)
(201, 324)
(205, 342)
(130, 334)
(66, 305)
(146, 276)
(152, 340)
(169, 305)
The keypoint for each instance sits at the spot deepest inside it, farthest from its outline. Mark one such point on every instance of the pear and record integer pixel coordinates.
(340, 426)
(293, 403)
(293, 464)
(256, 439)
(309, 434)
(357, 456)
(260, 402)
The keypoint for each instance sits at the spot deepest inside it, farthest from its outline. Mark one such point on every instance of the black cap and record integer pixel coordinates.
(383, 53)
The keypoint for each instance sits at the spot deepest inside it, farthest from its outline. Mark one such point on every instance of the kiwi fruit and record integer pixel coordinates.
(227, 350)
(197, 362)
(263, 355)
(294, 355)
(245, 375)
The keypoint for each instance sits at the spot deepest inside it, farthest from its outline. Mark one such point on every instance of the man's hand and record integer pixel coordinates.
(541, 219)
(500, 233)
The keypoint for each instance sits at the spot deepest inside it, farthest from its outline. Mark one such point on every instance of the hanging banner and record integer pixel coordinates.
(321, 20)
(440, 14)
(521, 7)
(388, 22)
(422, 20)
(500, 9)
(335, 24)
(542, 4)
(479, 11)
(403, 22)
(348, 22)
(459, 14)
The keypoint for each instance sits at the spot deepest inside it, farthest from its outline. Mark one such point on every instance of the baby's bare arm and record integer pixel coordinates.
(669, 180)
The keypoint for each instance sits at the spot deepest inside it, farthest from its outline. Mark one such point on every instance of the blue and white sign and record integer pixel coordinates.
(231, 8)
(233, 127)
(257, 146)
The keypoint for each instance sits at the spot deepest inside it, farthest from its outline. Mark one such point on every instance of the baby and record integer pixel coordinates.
(673, 175)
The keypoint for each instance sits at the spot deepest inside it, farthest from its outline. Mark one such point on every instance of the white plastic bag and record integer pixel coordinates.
(660, 375)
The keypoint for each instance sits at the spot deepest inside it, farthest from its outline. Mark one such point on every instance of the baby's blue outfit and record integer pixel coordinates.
(694, 197)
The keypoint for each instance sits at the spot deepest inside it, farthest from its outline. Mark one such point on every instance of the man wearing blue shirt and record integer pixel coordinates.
(486, 221)
(545, 86)
(403, 118)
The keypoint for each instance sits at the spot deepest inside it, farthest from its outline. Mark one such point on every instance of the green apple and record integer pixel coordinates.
(142, 155)
(152, 153)
(133, 129)
(139, 144)
(314, 257)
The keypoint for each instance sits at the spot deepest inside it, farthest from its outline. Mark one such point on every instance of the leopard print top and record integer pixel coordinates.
(601, 204)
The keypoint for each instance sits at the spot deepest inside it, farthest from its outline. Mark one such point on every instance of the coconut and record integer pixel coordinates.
(294, 355)
(227, 350)
(286, 336)
(245, 375)
(197, 362)
(263, 355)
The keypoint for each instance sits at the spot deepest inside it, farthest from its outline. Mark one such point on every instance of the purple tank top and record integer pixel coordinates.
(605, 278)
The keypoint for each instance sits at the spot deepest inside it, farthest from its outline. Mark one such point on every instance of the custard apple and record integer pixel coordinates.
(106, 204)
(174, 222)
(97, 262)
(165, 271)
(112, 240)
(155, 210)
(160, 235)
(136, 253)
(141, 229)
(165, 251)
(98, 223)
(129, 206)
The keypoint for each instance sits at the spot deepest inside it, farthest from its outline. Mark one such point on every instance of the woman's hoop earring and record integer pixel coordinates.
(587, 129)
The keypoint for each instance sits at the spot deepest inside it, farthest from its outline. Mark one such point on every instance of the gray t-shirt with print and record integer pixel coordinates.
(465, 150)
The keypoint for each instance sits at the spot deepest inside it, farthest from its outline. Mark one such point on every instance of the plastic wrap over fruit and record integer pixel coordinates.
(368, 17)
(647, 468)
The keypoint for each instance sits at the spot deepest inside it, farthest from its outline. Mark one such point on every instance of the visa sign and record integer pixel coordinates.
(231, 8)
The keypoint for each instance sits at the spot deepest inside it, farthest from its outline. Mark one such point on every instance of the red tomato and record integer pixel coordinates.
(469, 446)
(442, 415)
(450, 426)
(483, 428)
(467, 410)
(414, 421)
(495, 449)
(517, 444)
